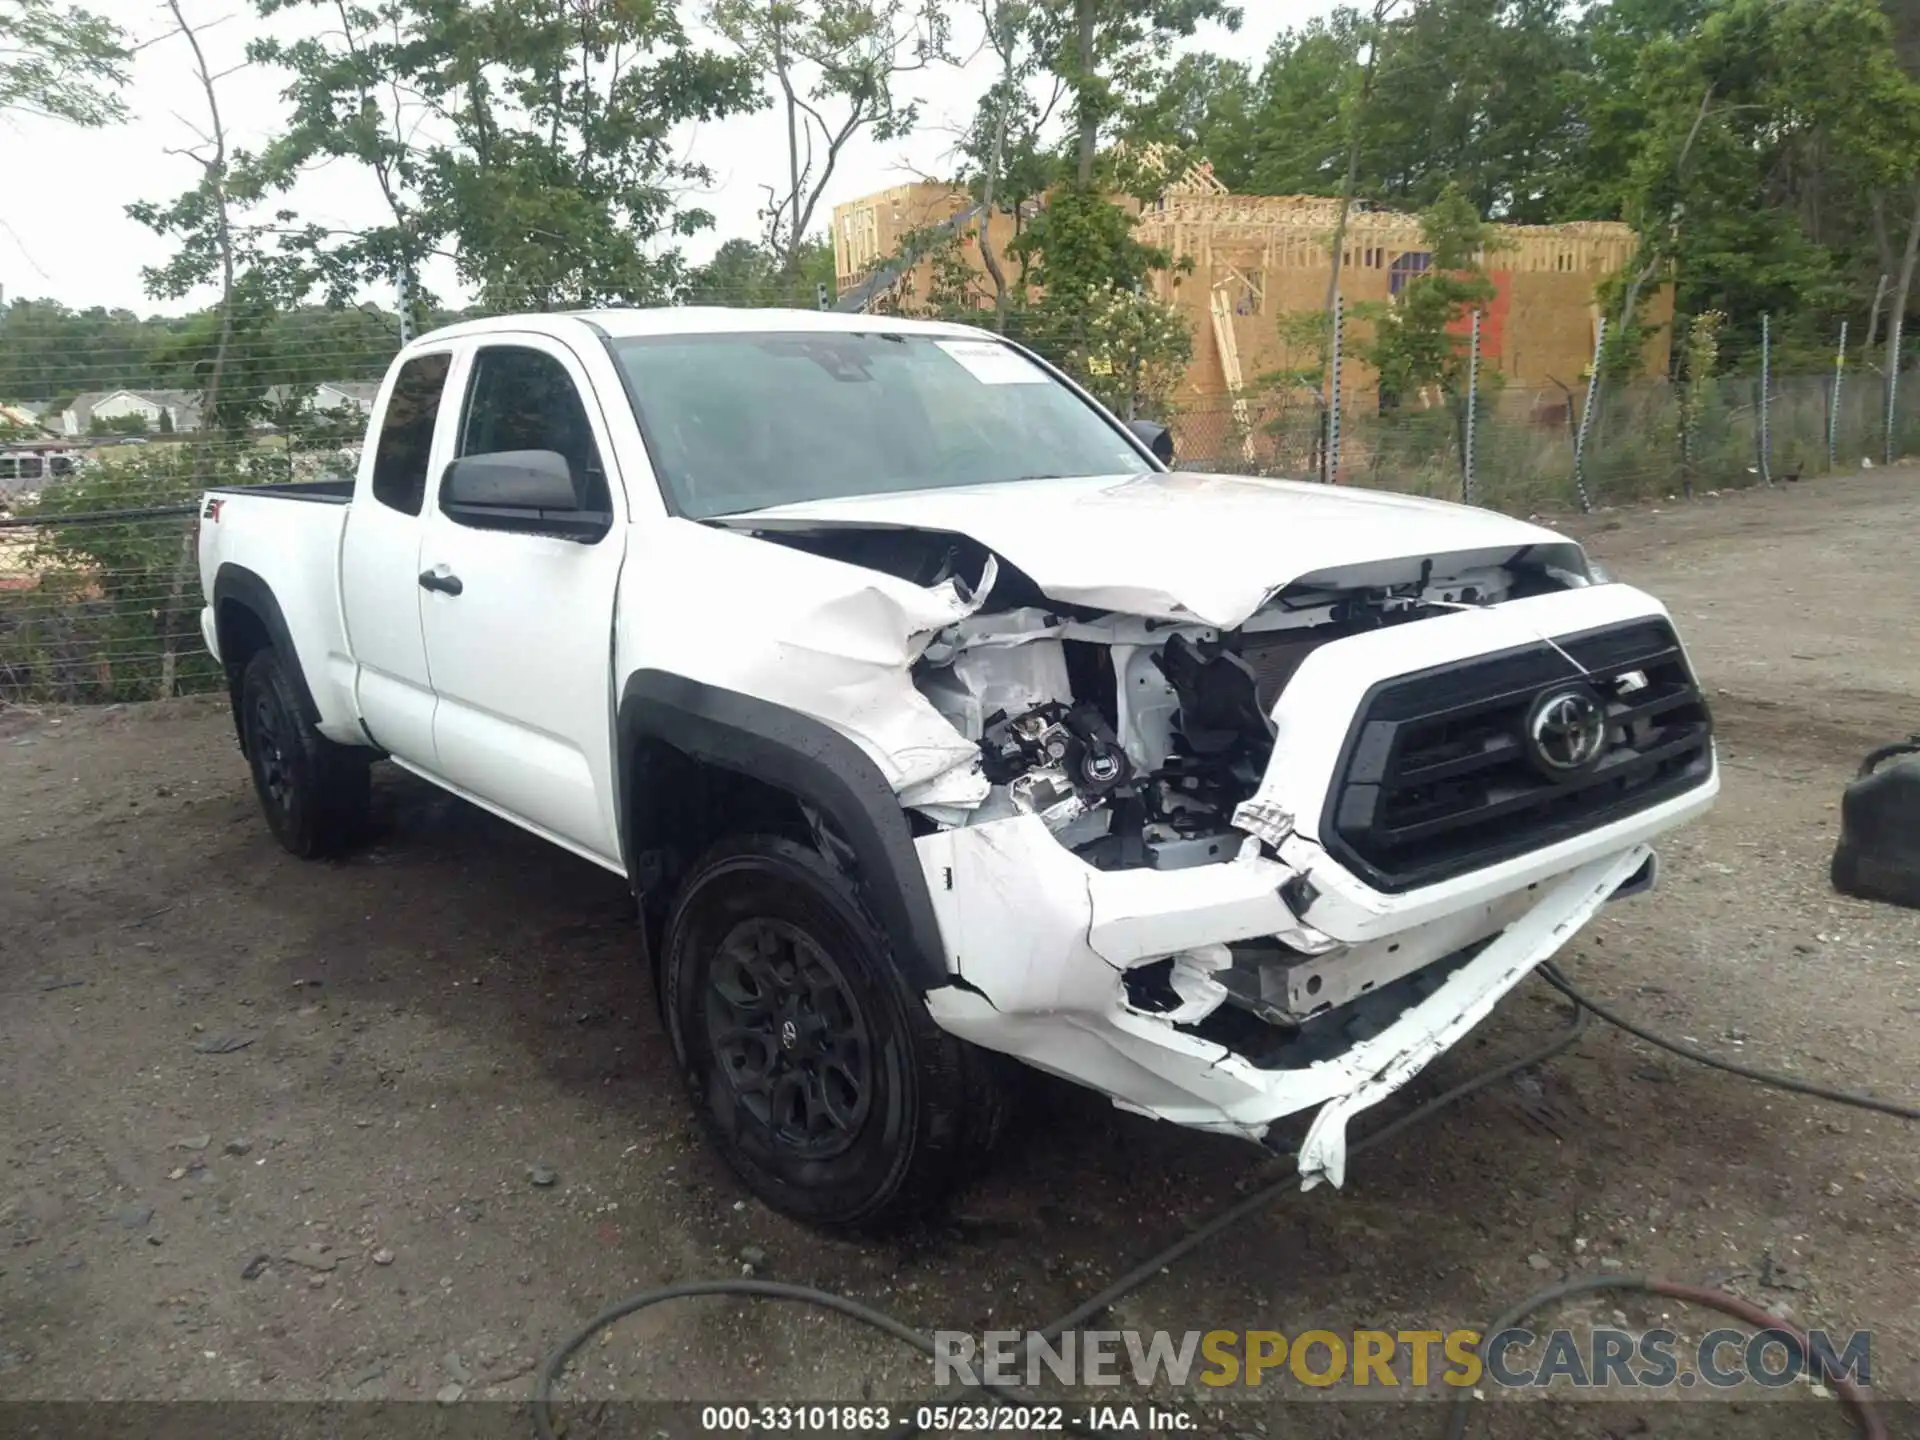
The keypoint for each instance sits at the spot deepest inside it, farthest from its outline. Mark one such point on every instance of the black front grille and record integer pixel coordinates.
(1437, 777)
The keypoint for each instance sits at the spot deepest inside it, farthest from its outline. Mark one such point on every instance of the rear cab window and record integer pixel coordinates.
(406, 433)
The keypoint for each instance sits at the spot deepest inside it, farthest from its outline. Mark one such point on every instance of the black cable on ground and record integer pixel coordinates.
(1551, 974)
(1104, 1300)
(1135, 1278)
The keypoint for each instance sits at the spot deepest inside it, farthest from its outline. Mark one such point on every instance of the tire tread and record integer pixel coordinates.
(337, 778)
(960, 1092)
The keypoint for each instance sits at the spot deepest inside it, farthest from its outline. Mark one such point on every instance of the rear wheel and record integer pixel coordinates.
(314, 793)
(815, 1068)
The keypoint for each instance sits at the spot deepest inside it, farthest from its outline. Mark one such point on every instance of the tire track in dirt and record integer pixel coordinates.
(1839, 726)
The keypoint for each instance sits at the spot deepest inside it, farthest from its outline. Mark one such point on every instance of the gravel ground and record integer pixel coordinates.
(386, 1129)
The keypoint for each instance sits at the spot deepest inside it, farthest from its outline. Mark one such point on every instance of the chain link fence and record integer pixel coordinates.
(1647, 439)
(99, 589)
(99, 484)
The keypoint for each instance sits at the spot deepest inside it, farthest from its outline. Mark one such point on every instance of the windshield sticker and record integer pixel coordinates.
(994, 364)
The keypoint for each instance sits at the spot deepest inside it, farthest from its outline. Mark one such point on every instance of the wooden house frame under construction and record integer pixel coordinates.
(1257, 258)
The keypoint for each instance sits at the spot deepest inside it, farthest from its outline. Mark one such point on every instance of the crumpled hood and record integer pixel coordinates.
(1176, 545)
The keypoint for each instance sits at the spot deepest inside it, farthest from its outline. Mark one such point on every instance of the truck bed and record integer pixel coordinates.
(291, 555)
(323, 492)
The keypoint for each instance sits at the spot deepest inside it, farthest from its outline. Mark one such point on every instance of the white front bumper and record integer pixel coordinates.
(1041, 941)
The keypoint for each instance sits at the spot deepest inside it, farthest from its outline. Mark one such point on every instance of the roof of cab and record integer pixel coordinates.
(698, 320)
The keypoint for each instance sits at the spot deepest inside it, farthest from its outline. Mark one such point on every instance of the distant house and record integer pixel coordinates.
(340, 396)
(336, 398)
(150, 410)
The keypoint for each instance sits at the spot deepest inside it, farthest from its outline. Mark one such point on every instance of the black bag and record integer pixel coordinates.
(1878, 857)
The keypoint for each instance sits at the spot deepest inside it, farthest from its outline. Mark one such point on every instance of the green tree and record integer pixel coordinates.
(1699, 359)
(1482, 94)
(1764, 149)
(131, 424)
(257, 370)
(1082, 242)
(49, 351)
(1080, 246)
(139, 635)
(1203, 109)
(342, 109)
(1078, 250)
(1028, 164)
(1415, 342)
(534, 142)
(217, 249)
(1134, 351)
(224, 350)
(61, 62)
(746, 273)
(1298, 121)
(1005, 162)
(952, 289)
(1112, 52)
(567, 186)
(1770, 136)
(834, 67)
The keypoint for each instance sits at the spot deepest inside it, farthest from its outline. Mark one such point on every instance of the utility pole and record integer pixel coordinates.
(1766, 393)
(1586, 418)
(1473, 404)
(1893, 384)
(1833, 404)
(1332, 457)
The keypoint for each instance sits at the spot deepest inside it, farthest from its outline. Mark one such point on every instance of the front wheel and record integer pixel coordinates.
(314, 793)
(815, 1068)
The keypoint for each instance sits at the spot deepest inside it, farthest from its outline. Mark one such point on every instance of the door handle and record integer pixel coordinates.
(438, 580)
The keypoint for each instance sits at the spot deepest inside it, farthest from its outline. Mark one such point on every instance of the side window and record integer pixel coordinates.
(522, 399)
(406, 434)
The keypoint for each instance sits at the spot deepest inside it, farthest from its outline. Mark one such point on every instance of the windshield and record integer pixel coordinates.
(740, 422)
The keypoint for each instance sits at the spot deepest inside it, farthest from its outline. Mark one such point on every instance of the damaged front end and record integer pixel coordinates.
(1142, 741)
(1230, 868)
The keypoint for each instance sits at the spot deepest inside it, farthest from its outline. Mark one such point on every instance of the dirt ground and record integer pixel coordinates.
(270, 1130)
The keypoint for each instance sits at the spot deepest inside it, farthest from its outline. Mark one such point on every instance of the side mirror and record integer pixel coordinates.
(526, 490)
(1156, 437)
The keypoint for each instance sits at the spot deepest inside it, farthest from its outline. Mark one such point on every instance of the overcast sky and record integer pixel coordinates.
(64, 232)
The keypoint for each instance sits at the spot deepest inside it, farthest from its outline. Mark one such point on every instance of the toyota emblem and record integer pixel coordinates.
(789, 1035)
(1566, 732)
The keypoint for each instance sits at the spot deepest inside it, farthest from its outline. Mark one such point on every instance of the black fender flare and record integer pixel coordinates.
(810, 761)
(235, 584)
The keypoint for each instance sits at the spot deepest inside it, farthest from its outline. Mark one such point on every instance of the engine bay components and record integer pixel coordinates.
(1077, 742)
(1138, 741)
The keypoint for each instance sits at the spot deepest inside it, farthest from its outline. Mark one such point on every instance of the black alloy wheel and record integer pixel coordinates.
(314, 793)
(815, 1067)
(789, 1036)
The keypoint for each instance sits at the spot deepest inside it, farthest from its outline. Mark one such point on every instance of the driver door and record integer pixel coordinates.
(518, 625)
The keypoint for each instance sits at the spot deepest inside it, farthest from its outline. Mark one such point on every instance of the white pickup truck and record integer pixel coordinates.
(934, 719)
